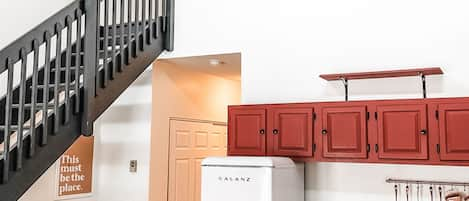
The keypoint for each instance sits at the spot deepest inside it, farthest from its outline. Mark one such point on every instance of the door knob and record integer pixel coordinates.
(275, 131)
(423, 132)
(262, 131)
(324, 131)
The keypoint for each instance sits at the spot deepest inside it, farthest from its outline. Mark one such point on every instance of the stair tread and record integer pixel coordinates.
(64, 68)
(52, 85)
(29, 105)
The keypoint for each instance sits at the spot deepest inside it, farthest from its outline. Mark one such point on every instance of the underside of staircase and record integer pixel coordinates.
(80, 60)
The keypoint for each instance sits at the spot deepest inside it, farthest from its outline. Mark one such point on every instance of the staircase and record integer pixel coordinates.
(65, 73)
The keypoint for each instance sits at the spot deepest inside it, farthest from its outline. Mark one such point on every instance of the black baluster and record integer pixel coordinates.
(157, 18)
(45, 98)
(129, 29)
(137, 25)
(122, 35)
(6, 131)
(114, 22)
(78, 63)
(105, 48)
(22, 97)
(32, 129)
(150, 21)
(58, 66)
(144, 25)
(98, 44)
(163, 13)
(68, 63)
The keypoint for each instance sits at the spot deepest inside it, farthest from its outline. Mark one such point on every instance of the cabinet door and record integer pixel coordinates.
(402, 132)
(454, 131)
(344, 132)
(291, 132)
(246, 132)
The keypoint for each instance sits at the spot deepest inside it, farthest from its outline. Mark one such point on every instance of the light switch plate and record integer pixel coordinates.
(133, 166)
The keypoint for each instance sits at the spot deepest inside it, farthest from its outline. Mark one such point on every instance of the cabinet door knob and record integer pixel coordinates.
(423, 132)
(275, 131)
(324, 131)
(262, 131)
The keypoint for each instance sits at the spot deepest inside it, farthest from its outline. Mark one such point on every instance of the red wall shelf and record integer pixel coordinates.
(421, 72)
(383, 74)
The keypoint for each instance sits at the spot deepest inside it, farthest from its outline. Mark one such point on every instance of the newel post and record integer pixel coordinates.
(90, 64)
(169, 14)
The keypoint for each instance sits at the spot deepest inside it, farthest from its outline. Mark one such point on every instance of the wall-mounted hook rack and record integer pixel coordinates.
(426, 182)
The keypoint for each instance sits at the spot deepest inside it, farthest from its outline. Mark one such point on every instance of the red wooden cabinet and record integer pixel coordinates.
(453, 121)
(290, 132)
(402, 132)
(419, 131)
(344, 132)
(247, 132)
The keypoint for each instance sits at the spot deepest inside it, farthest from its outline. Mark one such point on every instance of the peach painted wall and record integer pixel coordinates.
(180, 92)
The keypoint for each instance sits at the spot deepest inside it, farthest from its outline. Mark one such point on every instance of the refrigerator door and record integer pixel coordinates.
(236, 183)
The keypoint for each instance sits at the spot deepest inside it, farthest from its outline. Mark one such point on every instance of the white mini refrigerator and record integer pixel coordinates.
(252, 179)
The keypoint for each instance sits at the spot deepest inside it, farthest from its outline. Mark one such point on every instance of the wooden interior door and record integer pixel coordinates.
(454, 131)
(402, 132)
(190, 143)
(344, 132)
(247, 132)
(291, 132)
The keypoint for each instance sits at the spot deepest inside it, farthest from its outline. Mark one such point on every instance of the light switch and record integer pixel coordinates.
(133, 166)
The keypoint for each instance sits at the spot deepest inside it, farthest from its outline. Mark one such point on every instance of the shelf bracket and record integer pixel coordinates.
(345, 82)
(424, 84)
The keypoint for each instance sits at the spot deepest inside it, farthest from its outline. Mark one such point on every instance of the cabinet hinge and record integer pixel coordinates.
(314, 148)
(368, 148)
(376, 148)
(367, 115)
(437, 114)
(438, 148)
(376, 115)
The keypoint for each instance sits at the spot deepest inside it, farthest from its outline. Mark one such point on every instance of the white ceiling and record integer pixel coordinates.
(230, 69)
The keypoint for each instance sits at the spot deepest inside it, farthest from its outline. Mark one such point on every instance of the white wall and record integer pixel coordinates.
(285, 45)
(122, 134)
(20, 16)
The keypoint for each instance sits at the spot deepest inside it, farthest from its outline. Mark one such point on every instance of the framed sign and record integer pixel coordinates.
(75, 170)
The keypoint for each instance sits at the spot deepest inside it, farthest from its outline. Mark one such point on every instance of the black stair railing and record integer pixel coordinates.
(74, 56)
(28, 100)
